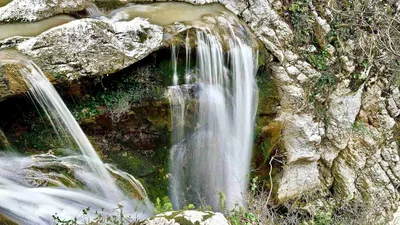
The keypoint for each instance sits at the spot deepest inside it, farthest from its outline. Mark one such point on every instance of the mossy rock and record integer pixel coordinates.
(11, 80)
(188, 217)
(5, 221)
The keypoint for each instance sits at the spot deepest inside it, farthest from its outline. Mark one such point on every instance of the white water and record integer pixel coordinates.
(93, 11)
(28, 204)
(213, 159)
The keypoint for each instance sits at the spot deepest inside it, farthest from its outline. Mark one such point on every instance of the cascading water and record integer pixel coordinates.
(29, 204)
(211, 164)
(61, 119)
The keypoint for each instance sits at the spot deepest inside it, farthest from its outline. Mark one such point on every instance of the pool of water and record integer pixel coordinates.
(32, 29)
(168, 12)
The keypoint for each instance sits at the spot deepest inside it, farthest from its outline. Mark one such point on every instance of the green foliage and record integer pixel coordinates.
(128, 90)
(318, 59)
(322, 218)
(163, 205)
(222, 200)
(323, 85)
(164, 69)
(302, 21)
(118, 218)
(243, 218)
(254, 184)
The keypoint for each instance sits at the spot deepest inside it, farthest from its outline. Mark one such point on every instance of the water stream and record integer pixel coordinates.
(210, 164)
(32, 28)
(166, 13)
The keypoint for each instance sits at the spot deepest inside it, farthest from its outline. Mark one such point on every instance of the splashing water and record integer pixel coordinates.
(93, 11)
(213, 160)
(29, 204)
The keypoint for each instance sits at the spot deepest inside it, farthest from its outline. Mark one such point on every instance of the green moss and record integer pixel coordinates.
(173, 215)
(128, 89)
(151, 171)
(183, 221)
(133, 163)
(208, 216)
(37, 138)
(165, 71)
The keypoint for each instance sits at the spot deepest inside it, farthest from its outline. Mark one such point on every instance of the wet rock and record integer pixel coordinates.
(11, 82)
(33, 10)
(187, 218)
(91, 47)
(11, 42)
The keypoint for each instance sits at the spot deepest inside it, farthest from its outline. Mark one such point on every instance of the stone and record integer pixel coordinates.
(298, 179)
(90, 47)
(187, 218)
(11, 42)
(301, 138)
(343, 110)
(33, 10)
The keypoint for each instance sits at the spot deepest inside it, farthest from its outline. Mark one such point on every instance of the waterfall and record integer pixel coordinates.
(210, 164)
(93, 11)
(61, 118)
(29, 204)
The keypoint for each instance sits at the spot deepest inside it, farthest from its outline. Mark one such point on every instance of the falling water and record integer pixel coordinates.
(36, 205)
(60, 117)
(174, 65)
(212, 162)
(93, 11)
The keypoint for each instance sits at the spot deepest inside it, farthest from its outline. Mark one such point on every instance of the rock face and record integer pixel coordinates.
(187, 218)
(33, 10)
(11, 82)
(93, 47)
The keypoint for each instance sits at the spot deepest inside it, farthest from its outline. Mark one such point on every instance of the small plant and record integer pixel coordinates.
(222, 201)
(322, 218)
(302, 21)
(360, 128)
(163, 205)
(97, 218)
(318, 59)
(323, 85)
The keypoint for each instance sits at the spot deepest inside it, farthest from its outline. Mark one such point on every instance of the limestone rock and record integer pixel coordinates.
(11, 82)
(187, 218)
(301, 137)
(343, 109)
(93, 47)
(298, 179)
(12, 41)
(33, 10)
(394, 103)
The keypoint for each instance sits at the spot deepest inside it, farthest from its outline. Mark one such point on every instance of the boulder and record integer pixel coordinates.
(33, 10)
(90, 47)
(189, 217)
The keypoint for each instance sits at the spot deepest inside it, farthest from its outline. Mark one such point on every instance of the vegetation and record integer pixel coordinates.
(117, 102)
(98, 218)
